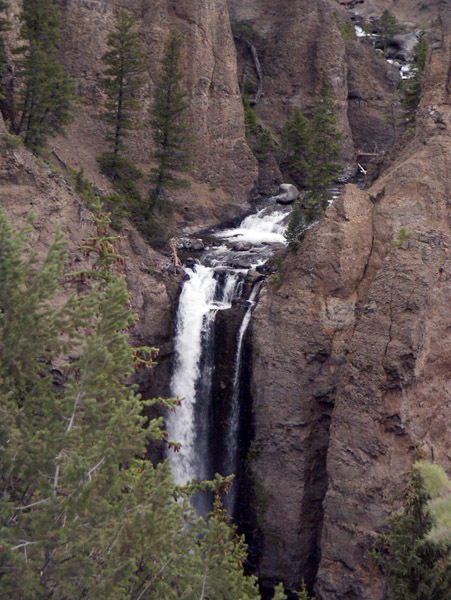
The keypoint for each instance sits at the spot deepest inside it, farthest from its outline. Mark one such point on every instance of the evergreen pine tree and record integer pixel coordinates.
(279, 593)
(324, 150)
(318, 160)
(83, 514)
(222, 554)
(168, 120)
(416, 568)
(438, 486)
(296, 224)
(250, 118)
(265, 145)
(47, 92)
(4, 26)
(387, 26)
(122, 80)
(411, 87)
(295, 144)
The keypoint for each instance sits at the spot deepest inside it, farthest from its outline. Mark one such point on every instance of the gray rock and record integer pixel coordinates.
(241, 246)
(189, 244)
(288, 193)
(197, 245)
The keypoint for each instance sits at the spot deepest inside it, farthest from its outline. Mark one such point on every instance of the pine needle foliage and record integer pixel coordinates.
(315, 151)
(83, 514)
(250, 118)
(387, 26)
(295, 138)
(416, 567)
(438, 486)
(324, 150)
(222, 555)
(171, 130)
(411, 87)
(46, 91)
(4, 26)
(122, 80)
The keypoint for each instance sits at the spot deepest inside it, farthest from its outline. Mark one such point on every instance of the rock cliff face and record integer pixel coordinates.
(352, 354)
(224, 168)
(296, 45)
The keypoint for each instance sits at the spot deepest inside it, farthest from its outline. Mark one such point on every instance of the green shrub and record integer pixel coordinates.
(122, 173)
(250, 118)
(11, 141)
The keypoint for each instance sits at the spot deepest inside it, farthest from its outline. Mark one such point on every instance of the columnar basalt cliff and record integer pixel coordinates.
(352, 354)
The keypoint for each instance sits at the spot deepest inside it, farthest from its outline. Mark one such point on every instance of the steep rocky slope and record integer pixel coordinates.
(352, 354)
(297, 44)
(224, 169)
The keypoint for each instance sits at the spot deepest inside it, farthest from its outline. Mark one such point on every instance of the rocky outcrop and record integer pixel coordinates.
(372, 81)
(414, 13)
(224, 169)
(352, 355)
(296, 46)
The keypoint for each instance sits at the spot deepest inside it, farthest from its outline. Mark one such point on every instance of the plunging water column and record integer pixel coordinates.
(216, 285)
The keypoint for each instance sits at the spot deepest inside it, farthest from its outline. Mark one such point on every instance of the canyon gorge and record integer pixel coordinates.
(339, 349)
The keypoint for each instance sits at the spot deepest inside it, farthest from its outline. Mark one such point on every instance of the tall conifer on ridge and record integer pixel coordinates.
(46, 91)
(122, 80)
(171, 132)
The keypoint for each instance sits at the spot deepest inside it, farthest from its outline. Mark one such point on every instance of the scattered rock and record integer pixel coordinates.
(288, 193)
(196, 245)
(241, 246)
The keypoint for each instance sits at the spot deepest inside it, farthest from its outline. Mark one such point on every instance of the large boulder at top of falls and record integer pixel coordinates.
(288, 193)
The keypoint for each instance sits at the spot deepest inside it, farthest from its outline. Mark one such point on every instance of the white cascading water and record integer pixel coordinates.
(259, 228)
(207, 290)
(194, 305)
(195, 317)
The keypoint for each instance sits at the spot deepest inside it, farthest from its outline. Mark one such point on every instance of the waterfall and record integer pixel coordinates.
(192, 322)
(231, 459)
(202, 296)
(207, 290)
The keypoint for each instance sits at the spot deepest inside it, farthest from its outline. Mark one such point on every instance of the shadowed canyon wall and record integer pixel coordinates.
(352, 354)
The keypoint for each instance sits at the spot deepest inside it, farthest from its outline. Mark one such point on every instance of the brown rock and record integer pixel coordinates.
(224, 168)
(352, 355)
(27, 186)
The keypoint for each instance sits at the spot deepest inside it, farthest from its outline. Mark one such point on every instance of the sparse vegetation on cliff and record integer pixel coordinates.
(45, 92)
(411, 87)
(315, 151)
(295, 138)
(122, 80)
(386, 27)
(171, 132)
(416, 566)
